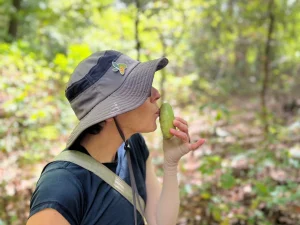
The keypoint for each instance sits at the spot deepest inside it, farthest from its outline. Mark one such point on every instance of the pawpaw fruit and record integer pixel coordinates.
(166, 117)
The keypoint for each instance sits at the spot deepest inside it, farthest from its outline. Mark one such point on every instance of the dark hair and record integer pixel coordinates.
(94, 129)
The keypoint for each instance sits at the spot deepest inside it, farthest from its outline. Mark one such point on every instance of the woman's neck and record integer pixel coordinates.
(104, 146)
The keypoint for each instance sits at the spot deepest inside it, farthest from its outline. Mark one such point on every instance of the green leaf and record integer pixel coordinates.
(227, 180)
(225, 222)
(216, 213)
(205, 195)
(261, 189)
(219, 115)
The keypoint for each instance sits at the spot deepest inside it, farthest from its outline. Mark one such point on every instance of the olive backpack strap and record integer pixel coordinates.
(104, 173)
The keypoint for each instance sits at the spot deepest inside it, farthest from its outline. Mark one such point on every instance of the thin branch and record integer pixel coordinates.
(267, 60)
(137, 22)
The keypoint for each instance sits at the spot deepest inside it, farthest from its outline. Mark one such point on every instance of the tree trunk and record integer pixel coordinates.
(162, 89)
(137, 38)
(13, 22)
(266, 66)
(163, 72)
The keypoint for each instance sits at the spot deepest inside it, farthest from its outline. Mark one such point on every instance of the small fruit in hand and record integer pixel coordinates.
(166, 120)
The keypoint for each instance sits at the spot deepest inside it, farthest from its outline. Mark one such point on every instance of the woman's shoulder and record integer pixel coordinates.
(64, 170)
(64, 174)
(59, 188)
(64, 167)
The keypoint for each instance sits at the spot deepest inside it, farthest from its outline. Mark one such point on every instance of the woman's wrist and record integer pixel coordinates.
(170, 168)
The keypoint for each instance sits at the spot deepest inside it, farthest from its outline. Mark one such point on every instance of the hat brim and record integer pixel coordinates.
(131, 94)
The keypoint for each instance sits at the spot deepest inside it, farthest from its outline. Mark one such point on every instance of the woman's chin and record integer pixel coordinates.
(150, 128)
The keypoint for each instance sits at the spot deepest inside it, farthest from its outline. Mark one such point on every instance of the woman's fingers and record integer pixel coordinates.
(181, 120)
(181, 125)
(197, 144)
(185, 138)
(182, 135)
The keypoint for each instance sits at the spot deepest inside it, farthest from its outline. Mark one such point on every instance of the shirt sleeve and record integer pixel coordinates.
(59, 189)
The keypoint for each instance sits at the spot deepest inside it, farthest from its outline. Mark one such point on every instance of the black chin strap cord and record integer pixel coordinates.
(131, 174)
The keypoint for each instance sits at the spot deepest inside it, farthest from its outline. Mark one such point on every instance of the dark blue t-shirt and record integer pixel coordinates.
(84, 198)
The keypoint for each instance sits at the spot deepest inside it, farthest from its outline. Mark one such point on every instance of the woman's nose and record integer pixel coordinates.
(155, 95)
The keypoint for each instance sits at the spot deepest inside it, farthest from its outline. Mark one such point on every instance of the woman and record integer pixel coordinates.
(113, 98)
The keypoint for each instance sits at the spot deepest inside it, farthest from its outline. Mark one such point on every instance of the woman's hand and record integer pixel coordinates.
(179, 145)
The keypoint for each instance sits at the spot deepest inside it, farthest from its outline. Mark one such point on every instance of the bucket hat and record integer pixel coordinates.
(106, 84)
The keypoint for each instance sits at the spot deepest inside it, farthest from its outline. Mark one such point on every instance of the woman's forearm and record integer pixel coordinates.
(168, 204)
(174, 148)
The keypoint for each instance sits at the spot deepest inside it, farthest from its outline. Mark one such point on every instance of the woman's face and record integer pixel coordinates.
(143, 118)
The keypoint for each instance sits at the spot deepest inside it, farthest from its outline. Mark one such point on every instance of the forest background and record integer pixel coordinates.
(233, 75)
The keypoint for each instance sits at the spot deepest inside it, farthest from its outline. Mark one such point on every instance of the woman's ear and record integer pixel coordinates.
(109, 120)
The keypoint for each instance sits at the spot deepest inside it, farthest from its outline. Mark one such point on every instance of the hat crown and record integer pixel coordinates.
(97, 77)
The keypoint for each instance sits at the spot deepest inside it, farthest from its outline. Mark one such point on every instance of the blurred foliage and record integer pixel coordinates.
(216, 51)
